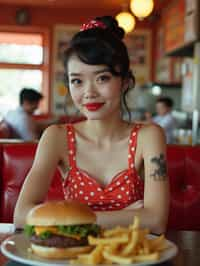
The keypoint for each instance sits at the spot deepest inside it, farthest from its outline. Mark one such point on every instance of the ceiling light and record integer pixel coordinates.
(141, 8)
(126, 20)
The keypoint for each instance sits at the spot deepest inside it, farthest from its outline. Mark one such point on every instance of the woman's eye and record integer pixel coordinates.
(103, 78)
(75, 81)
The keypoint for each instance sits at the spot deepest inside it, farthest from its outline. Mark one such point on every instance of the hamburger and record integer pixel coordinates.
(60, 229)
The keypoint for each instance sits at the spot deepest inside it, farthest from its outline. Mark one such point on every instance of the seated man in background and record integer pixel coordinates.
(21, 121)
(164, 117)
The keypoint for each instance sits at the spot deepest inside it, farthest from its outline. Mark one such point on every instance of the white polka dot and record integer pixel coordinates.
(79, 178)
(99, 189)
(134, 133)
(110, 207)
(100, 203)
(92, 193)
(127, 192)
(117, 204)
(132, 165)
(76, 195)
(86, 198)
(133, 148)
(77, 172)
(122, 188)
(110, 189)
(118, 183)
(128, 181)
(119, 196)
(72, 139)
(112, 201)
(73, 180)
(69, 132)
(90, 183)
(70, 151)
(89, 203)
(75, 186)
(130, 141)
(80, 192)
(74, 158)
(101, 197)
(126, 177)
(82, 184)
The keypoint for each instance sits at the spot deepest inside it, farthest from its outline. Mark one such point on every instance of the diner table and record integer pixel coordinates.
(188, 243)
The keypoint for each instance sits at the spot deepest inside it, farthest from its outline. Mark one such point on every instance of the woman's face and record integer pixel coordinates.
(94, 90)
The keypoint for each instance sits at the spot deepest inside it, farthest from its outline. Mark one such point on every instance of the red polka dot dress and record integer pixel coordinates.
(124, 189)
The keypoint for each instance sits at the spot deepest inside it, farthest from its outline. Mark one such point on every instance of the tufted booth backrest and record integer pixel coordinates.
(184, 173)
(183, 168)
(16, 160)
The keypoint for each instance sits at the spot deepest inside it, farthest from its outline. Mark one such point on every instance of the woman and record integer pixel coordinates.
(111, 151)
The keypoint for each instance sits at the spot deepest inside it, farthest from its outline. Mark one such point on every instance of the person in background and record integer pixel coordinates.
(112, 152)
(164, 117)
(20, 120)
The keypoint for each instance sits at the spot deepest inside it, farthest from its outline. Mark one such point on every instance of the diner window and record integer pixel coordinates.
(23, 63)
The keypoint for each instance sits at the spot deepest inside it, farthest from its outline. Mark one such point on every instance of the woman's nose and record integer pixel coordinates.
(90, 90)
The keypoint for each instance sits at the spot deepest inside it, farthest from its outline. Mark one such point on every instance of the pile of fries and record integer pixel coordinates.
(123, 246)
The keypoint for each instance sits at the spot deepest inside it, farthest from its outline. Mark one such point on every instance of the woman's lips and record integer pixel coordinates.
(93, 106)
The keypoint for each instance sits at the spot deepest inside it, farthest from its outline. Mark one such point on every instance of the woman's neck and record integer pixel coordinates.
(101, 132)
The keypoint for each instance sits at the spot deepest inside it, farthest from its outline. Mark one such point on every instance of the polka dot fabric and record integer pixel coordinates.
(124, 189)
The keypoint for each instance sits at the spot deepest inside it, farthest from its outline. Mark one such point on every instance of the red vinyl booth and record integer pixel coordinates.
(183, 168)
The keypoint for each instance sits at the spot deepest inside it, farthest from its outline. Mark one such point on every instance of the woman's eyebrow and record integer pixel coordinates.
(102, 70)
(74, 74)
(95, 72)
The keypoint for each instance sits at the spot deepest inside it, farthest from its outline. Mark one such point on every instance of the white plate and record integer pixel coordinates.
(16, 248)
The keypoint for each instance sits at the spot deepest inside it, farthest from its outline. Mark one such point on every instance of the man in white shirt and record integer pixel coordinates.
(164, 117)
(20, 120)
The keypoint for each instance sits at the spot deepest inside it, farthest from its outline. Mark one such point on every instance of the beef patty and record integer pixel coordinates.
(59, 241)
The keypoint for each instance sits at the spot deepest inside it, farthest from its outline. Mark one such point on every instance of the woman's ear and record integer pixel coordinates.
(125, 84)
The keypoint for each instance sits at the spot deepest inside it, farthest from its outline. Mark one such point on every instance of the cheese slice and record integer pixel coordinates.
(53, 229)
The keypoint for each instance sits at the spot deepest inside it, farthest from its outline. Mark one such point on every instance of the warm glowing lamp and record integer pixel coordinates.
(141, 8)
(126, 21)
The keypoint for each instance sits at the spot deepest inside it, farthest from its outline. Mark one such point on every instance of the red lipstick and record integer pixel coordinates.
(93, 106)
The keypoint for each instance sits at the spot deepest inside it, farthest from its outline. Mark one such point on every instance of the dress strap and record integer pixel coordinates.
(71, 141)
(133, 145)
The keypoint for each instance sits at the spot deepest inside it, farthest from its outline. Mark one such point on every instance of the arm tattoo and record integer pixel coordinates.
(160, 173)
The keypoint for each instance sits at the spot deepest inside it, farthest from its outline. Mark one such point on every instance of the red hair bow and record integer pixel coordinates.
(92, 24)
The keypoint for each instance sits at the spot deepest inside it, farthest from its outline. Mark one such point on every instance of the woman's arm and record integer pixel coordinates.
(38, 180)
(154, 215)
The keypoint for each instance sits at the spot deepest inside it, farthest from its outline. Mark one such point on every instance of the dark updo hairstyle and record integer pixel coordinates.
(103, 46)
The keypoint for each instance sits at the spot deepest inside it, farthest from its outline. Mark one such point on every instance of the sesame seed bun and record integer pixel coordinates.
(59, 253)
(54, 213)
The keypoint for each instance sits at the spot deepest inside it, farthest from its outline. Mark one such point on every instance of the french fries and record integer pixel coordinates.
(123, 246)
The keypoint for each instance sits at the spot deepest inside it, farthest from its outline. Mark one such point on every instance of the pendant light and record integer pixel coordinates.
(141, 8)
(126, 20)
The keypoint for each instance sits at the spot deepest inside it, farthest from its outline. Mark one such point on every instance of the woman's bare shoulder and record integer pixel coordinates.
(151, 135)
(55, 129)
(54, 134)
(148, 129)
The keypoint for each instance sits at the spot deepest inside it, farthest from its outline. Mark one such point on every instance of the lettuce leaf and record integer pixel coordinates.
(29, 230)
(82, 230)
(45, 235)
